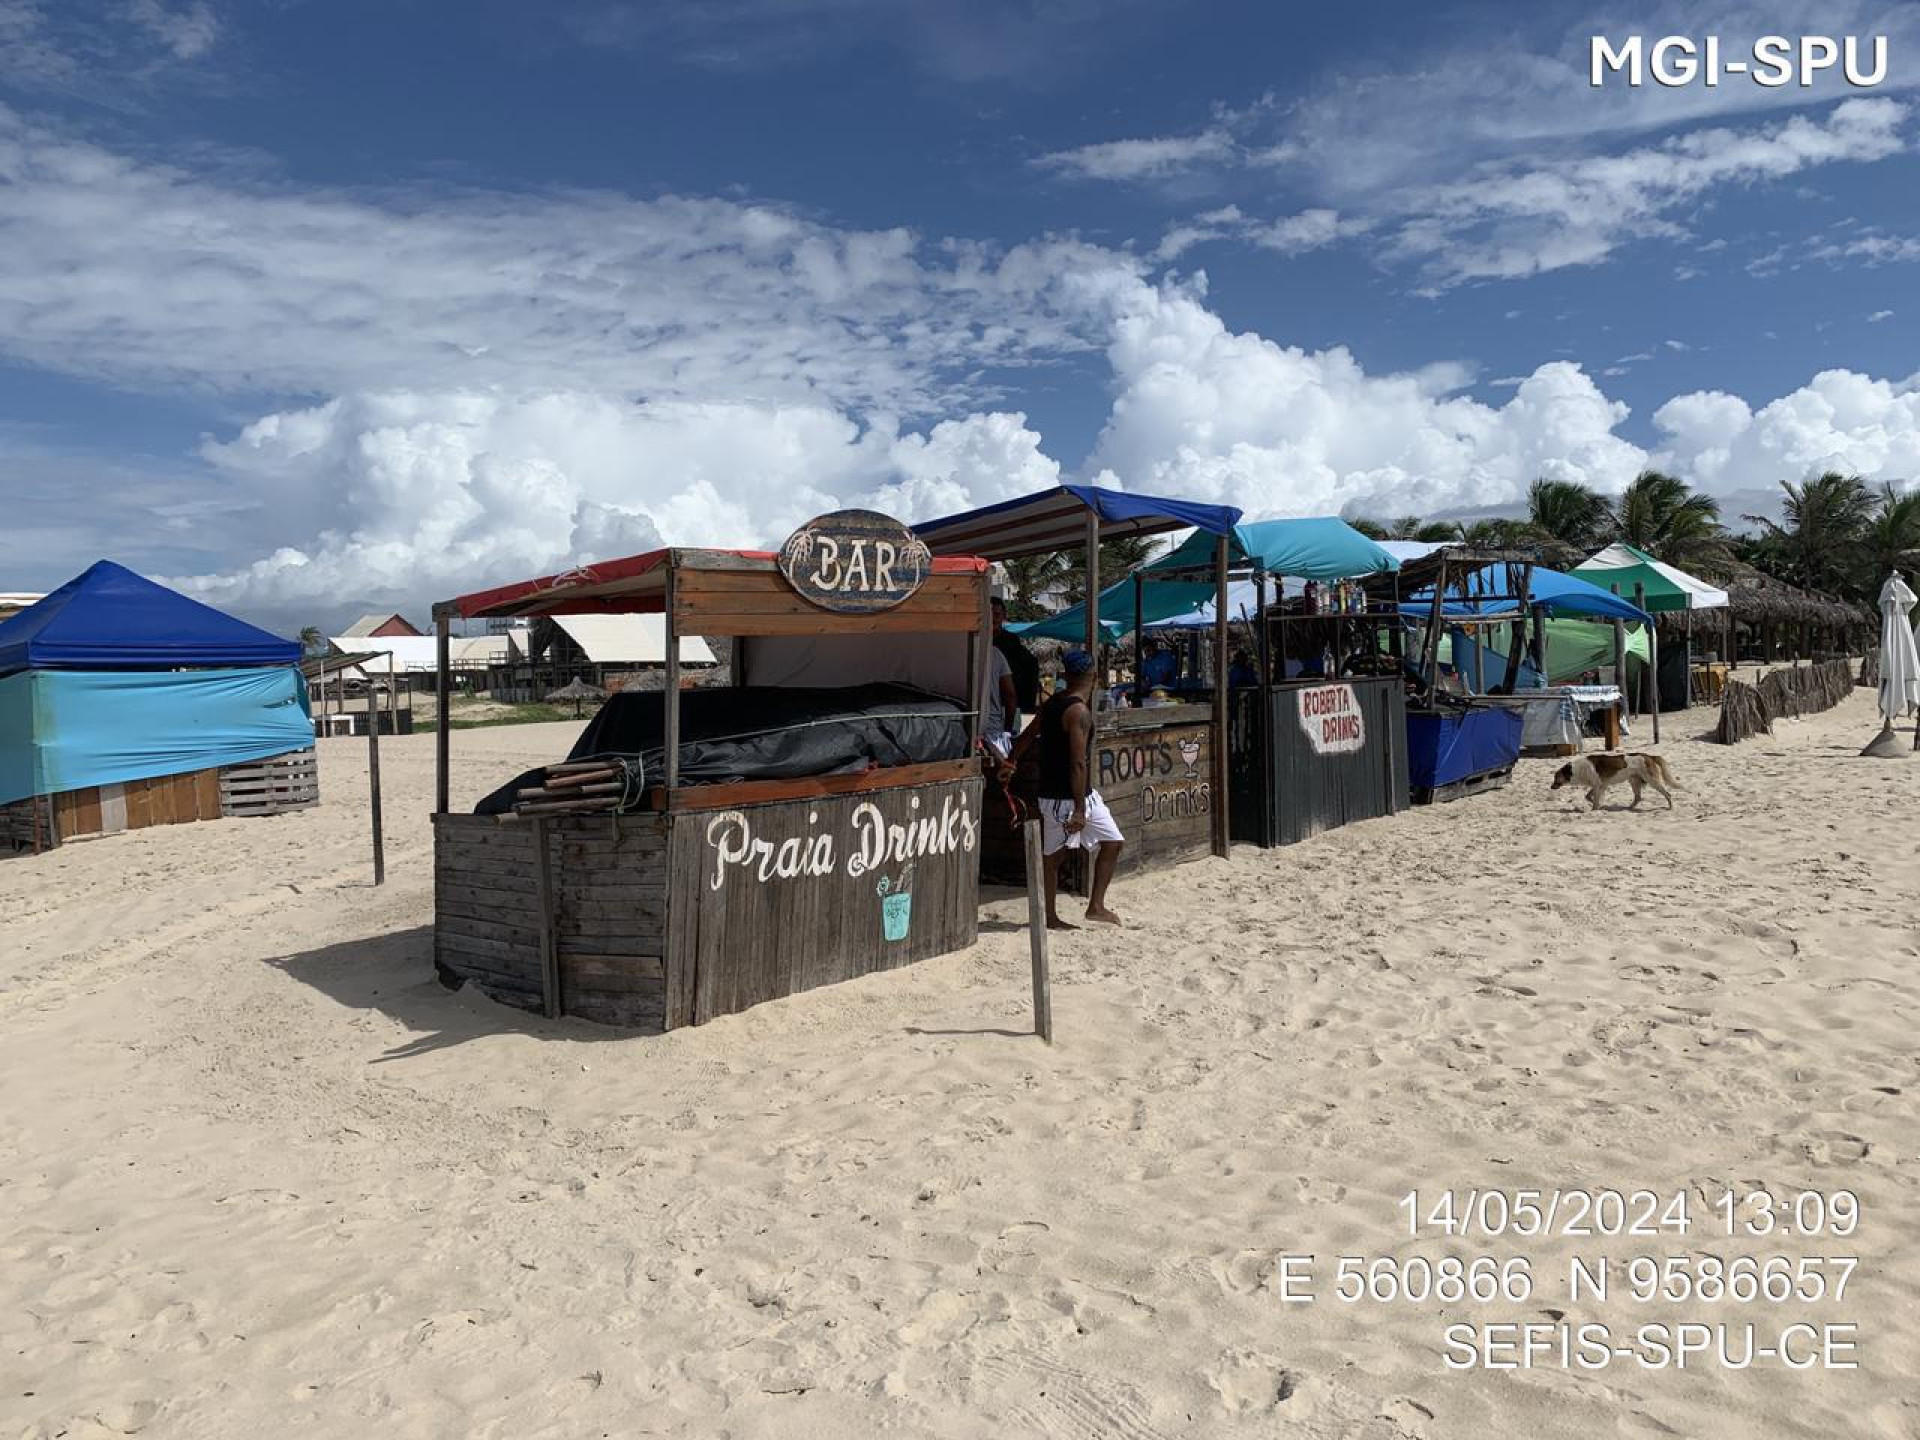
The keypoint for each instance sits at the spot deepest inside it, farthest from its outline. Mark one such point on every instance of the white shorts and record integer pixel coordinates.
(1054, 815)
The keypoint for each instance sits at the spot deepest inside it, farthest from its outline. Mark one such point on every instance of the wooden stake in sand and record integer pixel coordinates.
(1037, 929)
(373, 780)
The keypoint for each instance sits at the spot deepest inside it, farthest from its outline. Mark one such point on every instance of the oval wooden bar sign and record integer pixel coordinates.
(855, 562)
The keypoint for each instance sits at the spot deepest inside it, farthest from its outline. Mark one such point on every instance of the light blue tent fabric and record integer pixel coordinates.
(68, 729)
(1320, 548)
(1158, 600)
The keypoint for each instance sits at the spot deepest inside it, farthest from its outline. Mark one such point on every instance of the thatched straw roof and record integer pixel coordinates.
(1758, 599)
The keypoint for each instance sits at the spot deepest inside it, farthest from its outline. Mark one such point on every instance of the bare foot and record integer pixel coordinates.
(1102, 916)
(1056, 923)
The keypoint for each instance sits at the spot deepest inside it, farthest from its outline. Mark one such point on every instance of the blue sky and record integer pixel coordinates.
(315, 307)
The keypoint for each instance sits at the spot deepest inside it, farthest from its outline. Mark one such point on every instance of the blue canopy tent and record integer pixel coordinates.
(108, 618)
(113, 678)
(1070, 516)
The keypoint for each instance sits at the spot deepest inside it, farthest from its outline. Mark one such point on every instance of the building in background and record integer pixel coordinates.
(12, 602)
(381, 626)
(615, 652)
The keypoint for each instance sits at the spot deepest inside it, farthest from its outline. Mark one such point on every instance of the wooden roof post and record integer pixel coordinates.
(442, 620)
(1139, 641)
(1222, 836)
(671, 699)
(1430, 646)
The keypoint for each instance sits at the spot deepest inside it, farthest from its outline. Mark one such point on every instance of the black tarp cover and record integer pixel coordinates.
(759, 732)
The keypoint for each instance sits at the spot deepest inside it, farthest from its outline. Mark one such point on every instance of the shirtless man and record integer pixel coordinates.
(1072, 814)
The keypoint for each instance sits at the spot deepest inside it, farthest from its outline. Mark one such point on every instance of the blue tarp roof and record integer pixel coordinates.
(108, 618)
(1561, 594)
(1323, 547)
(1056, 519)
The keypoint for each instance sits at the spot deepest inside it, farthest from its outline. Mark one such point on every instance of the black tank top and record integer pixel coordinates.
(1056, 747)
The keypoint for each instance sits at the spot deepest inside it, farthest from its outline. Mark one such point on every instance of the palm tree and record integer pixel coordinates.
(1822, 527)
(1892, 539)
(1663, 516)
(1118, 557)
(1371, 528)
(1412, 527)
(1030, 577)
(311, 640)
(1495, 533)
(1577, 516)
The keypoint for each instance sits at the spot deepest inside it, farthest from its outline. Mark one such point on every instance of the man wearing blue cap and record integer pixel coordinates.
(1072, 814)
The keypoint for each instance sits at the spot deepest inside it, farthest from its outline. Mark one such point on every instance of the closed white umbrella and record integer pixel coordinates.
(1899, 663)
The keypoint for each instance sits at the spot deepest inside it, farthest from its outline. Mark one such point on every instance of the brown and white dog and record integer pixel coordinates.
(1599, 773)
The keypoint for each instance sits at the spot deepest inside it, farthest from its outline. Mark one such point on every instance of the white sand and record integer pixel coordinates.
(263, 1175)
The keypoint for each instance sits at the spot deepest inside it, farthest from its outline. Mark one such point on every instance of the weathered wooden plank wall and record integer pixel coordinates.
(137, 804)
(608, 878)
(760, 602)
(1338, 754)
(773, 899)
(28, 826)
(1157, 779)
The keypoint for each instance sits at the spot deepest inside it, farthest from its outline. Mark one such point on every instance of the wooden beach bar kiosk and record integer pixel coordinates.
(1316, 732)
(1466, 719)
(1161, 770)
(702, 852)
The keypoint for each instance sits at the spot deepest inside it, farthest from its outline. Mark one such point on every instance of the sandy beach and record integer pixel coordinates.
(265, 1175)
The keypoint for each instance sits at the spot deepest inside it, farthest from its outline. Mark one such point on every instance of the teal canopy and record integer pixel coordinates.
(66, 730)
(1322, 548)
(1159, 600)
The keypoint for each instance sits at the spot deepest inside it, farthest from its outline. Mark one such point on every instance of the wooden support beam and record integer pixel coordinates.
(373, 785)
(1222, 834)
(1037, 932)
(670, 701)
(443, 695)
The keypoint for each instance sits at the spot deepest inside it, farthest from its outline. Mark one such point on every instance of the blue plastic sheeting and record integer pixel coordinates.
(1560, 595)
(1158, 599)
(68, 729)
(1322, 548)
(108, 618)
(1448, 745)
(1056, 520)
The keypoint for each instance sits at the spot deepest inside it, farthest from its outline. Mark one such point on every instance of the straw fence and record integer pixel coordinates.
(1749, 710)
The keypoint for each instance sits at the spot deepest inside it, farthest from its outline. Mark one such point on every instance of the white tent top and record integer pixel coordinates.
(1680, 591)
(418, 652)
(630, 640)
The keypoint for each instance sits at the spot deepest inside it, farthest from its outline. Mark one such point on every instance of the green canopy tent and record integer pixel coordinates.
(1659, 589)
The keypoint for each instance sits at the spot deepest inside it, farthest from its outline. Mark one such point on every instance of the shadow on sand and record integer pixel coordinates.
(394, 975)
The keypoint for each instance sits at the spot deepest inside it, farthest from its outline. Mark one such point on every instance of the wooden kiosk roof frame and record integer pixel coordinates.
(732, 593)
(1068, 515)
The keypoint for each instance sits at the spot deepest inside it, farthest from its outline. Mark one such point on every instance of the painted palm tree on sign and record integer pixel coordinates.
(1664, 516)
(1822, 530)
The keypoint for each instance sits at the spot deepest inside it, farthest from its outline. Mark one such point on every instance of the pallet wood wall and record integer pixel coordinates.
(28, 826)
(272, 786)
(608, 894)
